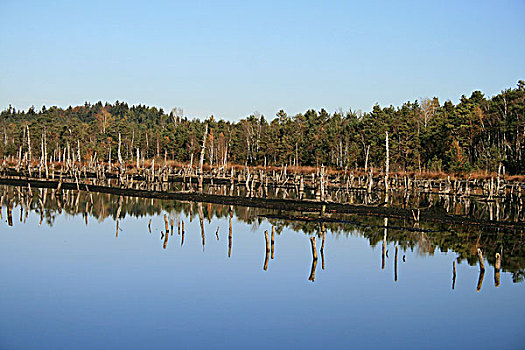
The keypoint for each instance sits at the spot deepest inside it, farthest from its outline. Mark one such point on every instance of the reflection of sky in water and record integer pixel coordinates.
(72, 286)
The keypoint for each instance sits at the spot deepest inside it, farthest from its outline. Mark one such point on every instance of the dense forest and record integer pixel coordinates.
(477, 134)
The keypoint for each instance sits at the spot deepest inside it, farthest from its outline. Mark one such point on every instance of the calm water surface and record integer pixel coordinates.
(66, 284)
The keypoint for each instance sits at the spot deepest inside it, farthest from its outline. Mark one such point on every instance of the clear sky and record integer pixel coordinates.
(231, 58)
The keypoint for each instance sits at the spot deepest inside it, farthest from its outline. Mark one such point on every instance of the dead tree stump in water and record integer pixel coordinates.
(166, 224)
(165, 240)
(497, 267)
(481, 270)
(314, 261)
(267, 251)
(480, 257)
(9, 214)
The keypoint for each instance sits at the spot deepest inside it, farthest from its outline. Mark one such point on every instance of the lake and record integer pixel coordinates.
(93, 271)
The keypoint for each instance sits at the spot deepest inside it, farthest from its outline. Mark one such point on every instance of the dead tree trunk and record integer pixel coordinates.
(119, 155)
(201, 160)
(387, 168)
(367, 152)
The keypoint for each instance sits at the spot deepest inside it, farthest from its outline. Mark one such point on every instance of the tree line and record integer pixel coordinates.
(476, 134)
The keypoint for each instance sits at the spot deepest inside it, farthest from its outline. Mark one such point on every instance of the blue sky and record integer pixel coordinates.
(230, 58)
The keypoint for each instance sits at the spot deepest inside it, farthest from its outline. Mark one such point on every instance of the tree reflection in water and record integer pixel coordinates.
(504, 248)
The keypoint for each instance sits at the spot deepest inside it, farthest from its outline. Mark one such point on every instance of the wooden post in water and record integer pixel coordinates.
(497, 267)
(166, 224)
(165, 240)
(314, 261)
(9, 213)
(265, 267)
(480, 257)
(481, 270)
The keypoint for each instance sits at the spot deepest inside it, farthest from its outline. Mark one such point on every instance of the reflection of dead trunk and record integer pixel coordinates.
(217, 233)
(481, 270)
(118, 212)
(480, 280)
(273, 240)
(312, 271)
(149, 226)
(182, 236)
(165, 240)
(201, 221)
(385, 232)
(267, 251)
(322, 246)
(9, 214)
(453, 274)
(86, 213)
(166, 224)
(314, 261)
(383, 257)
(230, 237)
(314, 250)
(497, 267)
(480, 257)
(395, 266)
